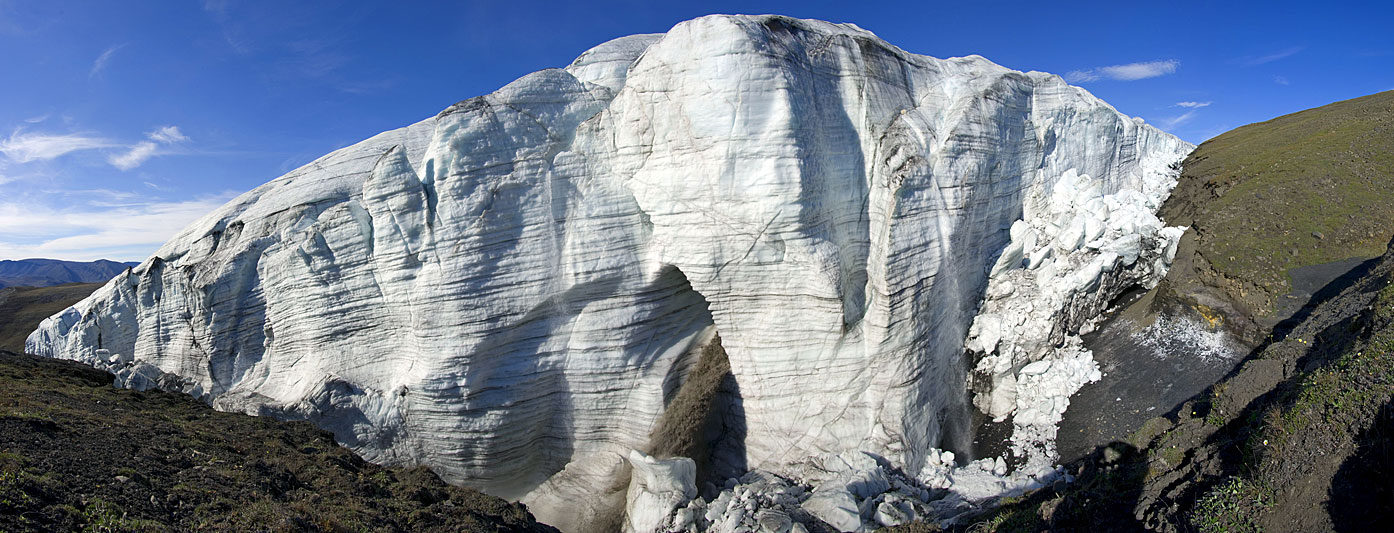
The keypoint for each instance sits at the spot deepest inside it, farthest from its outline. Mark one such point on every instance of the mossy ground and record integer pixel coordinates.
(1303, 189)
(77, 454)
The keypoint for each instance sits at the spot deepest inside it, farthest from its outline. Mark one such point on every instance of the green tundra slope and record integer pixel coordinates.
(1301, 190)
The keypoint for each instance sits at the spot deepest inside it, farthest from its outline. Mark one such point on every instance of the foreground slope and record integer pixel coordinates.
(512, 292)
(77, 454)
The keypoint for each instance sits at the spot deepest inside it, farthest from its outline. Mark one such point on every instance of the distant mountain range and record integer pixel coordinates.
(49, 272)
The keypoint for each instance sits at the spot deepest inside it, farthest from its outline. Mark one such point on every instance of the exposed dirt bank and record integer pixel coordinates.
(78, 454)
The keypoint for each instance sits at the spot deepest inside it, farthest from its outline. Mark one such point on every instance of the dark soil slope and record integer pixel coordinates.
(78, 454)
(1302, 190)
(22, 308)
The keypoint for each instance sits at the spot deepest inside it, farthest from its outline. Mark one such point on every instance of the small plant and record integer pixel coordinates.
(12, 493)
(1230, 507)
(1173, 456)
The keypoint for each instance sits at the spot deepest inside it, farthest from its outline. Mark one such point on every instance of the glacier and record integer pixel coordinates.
(517, 291)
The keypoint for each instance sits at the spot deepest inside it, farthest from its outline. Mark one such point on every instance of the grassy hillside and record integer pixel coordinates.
(22, 308)
(78, 454)
(1303, 189)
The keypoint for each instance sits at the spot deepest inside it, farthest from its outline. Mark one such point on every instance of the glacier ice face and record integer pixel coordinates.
(510, 292)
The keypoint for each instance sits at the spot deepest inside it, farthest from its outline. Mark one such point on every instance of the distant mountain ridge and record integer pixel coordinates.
(49, 272)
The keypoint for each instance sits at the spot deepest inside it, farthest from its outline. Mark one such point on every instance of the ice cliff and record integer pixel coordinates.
(515, 291)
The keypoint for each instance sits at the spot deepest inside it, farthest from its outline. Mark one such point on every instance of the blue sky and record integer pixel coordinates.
(120, 122)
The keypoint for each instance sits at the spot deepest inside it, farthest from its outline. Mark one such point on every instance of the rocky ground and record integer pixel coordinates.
(78, 454)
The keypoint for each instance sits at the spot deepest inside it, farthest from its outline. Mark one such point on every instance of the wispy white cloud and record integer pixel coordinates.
(1172, 122)
(167, 134)
(37, 119)
(25, 147)
(102, 60)
(1128, 72)
(144, 150)
(133, 158)
(129, 232)
(1192, 105)
(1280, 80)
(216, 7)
(1252, 61)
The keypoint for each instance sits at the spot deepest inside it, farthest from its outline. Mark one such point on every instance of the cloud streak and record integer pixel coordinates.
(145, 150)
(1192, 105)
(135, 157)
(1255, 61)
(102, 60)
(167, 134)
(128, 232)
(1127, 72)
(23, 147)
(26, 147)
(1169, 123)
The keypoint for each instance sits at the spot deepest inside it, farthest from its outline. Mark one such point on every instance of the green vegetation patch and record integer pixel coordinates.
(1304, 189)
(1231, 507)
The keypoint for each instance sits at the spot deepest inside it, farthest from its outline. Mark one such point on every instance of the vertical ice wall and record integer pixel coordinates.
(508, 292)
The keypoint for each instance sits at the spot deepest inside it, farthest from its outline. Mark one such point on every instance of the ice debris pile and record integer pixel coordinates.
(511, 292)
(851, 491)
(1080, 243)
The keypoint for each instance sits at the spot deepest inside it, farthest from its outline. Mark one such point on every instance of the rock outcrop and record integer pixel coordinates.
(512, 291)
